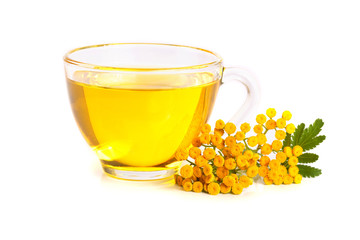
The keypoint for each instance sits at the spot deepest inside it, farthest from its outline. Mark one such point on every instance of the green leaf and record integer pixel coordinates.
(308, 158)
(312, 131)
(297, 134)
(308, 172)
(312, 143)
(287, 140)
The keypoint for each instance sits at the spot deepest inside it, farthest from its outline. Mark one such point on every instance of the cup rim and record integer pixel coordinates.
(68, 59)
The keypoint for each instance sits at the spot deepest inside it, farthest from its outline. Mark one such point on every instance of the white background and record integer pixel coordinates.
(305, 55)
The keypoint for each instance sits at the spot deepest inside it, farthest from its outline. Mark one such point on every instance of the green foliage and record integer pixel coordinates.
(308, 138)
(312, 143)
(308, 172)
(308, 158)
(287, 140)
(297, 134)
(312, 131)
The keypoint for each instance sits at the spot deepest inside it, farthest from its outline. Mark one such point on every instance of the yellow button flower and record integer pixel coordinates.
(241, 148)
(187, 186)
(230, 163)
(258, 128)
(213, 188)
(252, 162)
(186, 171)
(280, 123)
(266, 149)
(297, 178)
(283, 170)
(181, 154)
(252, 171)
(206, 128)
(194, 152)
(272, 175)
(256, 156)
(235, 150)
(274, 164)
(219, 161)
(252, 141)
(230, 128)
(248, 154)
(229, 181)
(193, 177)
(288, 179)
(226, 152)
(235, 177)
(237, 188)
(240, 136)
(267, 181)
(200, 161)
(281, 156)
(276, 145)
(271, 112)
(196, 142)
(241, 161)
(197, 187)
(290, 128)
(286, 115)
(278, 180)
(224, 189)
(230, 141)
(261, 119)
(245, 181)
(270, 124)
(293, 161)
(209, 153)
(209, 178)
(263, 171)
(221, 172)
(219, 132)
(205, 138)
(220, 124)
(288, 151)
(293, 171)
(261, 139)
(264, 160)
(179, 179)
(216, 139)
(245, 127)
(185, 180)
(207, 169)
(280, 134)
(197, 171)
(297, 150)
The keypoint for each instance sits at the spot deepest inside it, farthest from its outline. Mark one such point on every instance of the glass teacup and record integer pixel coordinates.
(137, 104)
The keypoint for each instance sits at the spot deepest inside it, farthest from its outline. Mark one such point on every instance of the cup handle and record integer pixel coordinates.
(237, 74)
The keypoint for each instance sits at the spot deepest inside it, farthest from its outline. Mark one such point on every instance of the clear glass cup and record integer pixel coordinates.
(137, 104)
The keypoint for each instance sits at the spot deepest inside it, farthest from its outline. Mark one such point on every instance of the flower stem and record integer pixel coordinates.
(191, 163)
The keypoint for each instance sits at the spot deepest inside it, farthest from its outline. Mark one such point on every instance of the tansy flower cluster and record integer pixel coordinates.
(226, 160)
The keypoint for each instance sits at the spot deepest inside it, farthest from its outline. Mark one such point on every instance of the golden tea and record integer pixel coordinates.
(140, 120)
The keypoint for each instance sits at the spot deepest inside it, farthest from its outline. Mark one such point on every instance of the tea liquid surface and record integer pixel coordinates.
(140, 120)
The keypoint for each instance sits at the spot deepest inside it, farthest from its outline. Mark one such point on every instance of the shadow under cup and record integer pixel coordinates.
(137, 104)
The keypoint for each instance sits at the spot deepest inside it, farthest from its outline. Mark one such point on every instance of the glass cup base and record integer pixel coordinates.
(140, 174)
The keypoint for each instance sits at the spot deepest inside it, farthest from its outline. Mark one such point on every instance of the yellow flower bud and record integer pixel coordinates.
(197, 187)
(230, 128)
(290, 128)
(261, 119)
(286, 115)
(186, 171)
(271, 112)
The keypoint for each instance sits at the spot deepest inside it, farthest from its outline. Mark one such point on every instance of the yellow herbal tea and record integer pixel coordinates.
(140, 120)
